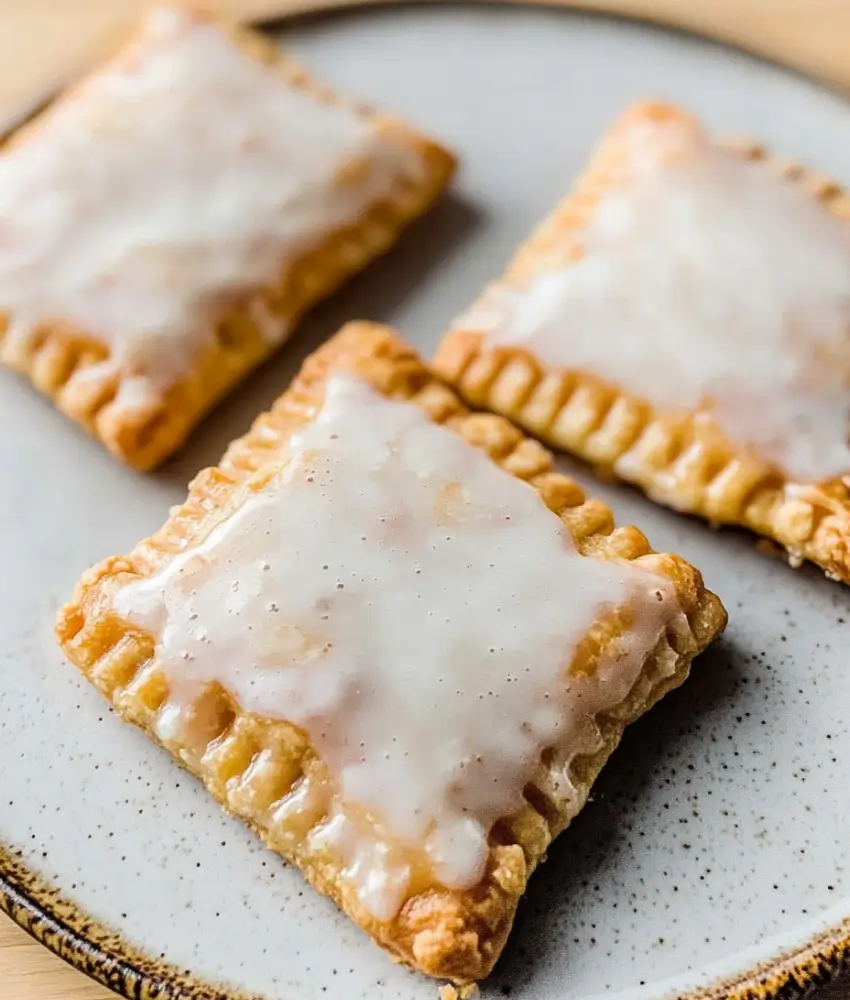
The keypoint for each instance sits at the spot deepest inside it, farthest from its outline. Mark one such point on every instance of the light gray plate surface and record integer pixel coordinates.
(717, 837)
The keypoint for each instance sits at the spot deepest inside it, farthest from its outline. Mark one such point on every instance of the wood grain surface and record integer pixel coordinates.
(44, 43)
(28, 971)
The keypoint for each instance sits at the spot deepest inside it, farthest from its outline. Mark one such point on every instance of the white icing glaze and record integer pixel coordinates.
(416, 611)
(705, 280)
(174, 184)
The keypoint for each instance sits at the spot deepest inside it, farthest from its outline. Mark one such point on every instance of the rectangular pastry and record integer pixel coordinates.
(165, 223)
(387, 634)
(682, 321)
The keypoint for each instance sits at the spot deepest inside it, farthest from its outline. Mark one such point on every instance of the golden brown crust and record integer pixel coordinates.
(59, 359)
(249, 763)
(682, 460)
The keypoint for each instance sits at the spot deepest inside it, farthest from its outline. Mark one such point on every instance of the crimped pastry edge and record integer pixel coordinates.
(679, 459)
(444, 933)
(58, 359)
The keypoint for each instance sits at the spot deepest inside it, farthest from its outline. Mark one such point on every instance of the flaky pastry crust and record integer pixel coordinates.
(250, 763)
(59, 358)
(682, 460)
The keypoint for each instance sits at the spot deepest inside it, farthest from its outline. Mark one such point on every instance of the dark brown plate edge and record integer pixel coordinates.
(99, 953)
(103, 955)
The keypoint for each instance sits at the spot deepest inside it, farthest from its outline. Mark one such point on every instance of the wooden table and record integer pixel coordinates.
(28, 971)
(44, 42)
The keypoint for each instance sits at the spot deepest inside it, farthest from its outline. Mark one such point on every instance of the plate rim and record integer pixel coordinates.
(64, 928)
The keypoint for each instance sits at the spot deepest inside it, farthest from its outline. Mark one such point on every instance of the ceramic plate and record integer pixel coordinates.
(716, 843)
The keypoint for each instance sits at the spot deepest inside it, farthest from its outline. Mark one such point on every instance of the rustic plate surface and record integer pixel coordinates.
(717, 839)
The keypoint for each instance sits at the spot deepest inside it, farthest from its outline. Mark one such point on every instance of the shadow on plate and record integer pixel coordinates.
(602, 841)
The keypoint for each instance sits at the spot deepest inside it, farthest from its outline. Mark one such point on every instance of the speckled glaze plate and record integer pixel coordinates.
(714, 856)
